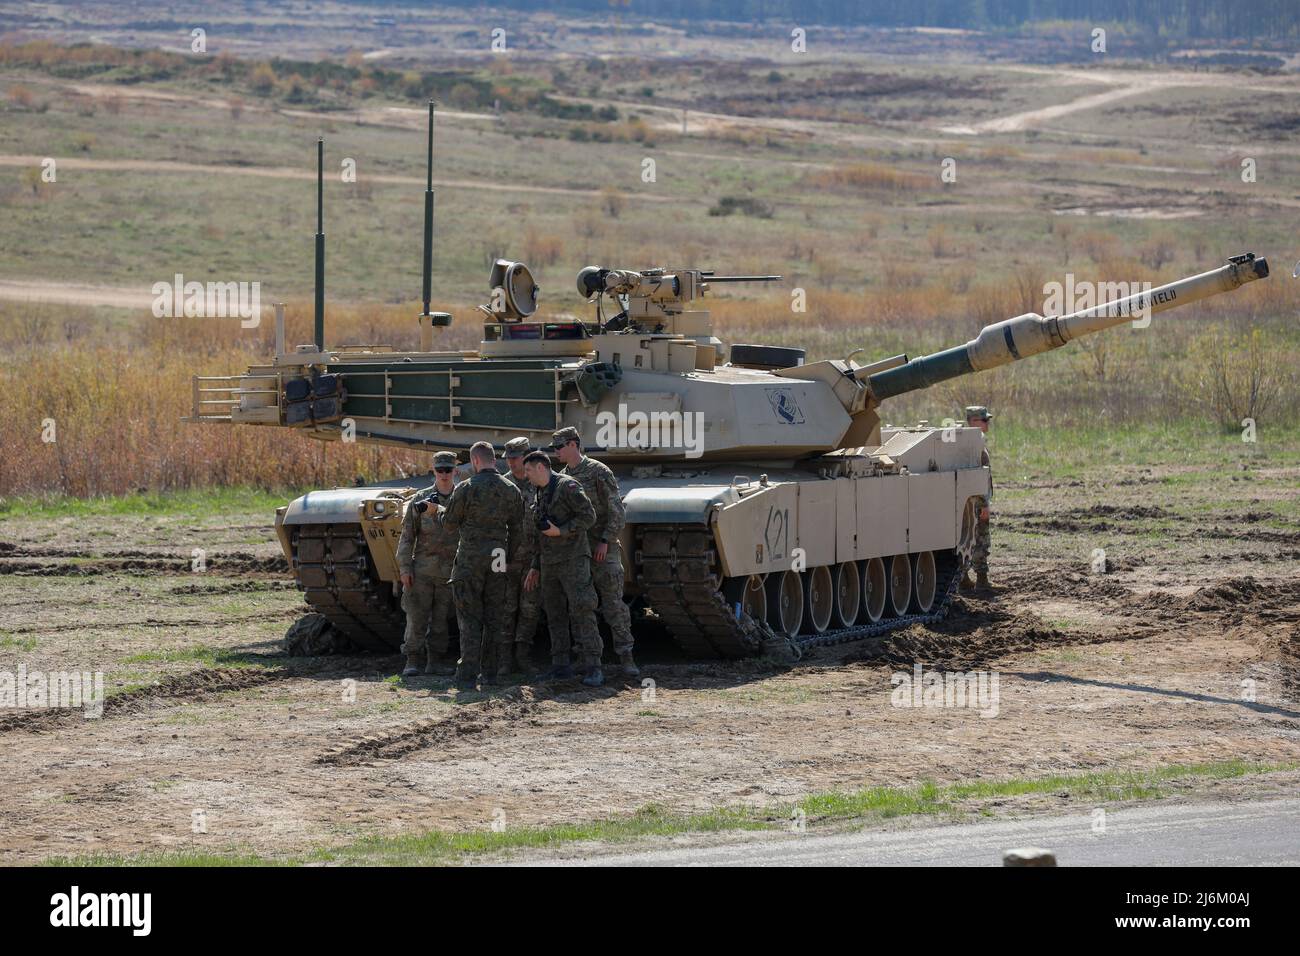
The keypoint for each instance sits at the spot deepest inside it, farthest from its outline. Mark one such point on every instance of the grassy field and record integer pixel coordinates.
(826, 171)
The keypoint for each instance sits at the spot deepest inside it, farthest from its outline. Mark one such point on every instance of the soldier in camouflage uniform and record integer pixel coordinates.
(424, 555)
(523, 606)
(487, 511)
(606, 555)
(563, 514)
(977, 416)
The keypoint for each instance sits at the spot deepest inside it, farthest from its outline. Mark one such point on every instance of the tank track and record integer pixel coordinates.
(862, 631)
(680, 578)
(332, 565)
(676, 568)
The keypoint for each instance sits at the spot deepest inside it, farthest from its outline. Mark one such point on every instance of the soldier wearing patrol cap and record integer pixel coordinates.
(487, 512)
(977, 416)
(425, 551)
(606, 556)
(523, 607)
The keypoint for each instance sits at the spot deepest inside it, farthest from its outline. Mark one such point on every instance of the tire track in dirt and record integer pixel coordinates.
(468, 721)
(206, 622)
(195, 685)
(37, 561)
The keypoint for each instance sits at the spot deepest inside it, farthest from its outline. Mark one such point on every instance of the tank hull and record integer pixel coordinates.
(699, 539)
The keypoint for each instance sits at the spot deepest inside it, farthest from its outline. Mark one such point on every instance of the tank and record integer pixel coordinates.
(764, 499)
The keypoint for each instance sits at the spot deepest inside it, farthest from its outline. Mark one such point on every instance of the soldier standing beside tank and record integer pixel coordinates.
(523, 606)
(425, 552)
(606, 556)
(487, 511)
(562, 514)
(977, 416)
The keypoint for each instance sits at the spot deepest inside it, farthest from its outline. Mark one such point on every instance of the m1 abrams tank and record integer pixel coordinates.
(763, 497)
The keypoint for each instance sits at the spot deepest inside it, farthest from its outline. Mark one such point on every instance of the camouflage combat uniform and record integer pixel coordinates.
(486, 511)
(523, 608)
(565, 566)
(601, 488)
(425, 551)
(979, 561)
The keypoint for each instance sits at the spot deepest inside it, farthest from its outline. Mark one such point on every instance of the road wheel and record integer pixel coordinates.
(875, 590)
(924, 581)
(900, 584)
(784, 602)
(848, 590)
(749, 593)
(819, 599)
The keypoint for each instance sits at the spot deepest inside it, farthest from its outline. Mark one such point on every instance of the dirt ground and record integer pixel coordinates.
(1154, 662)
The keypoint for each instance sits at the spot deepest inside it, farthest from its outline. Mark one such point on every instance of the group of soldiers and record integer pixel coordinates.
(500, 547)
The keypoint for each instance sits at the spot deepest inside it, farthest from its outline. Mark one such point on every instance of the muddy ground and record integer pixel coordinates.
(1153, 662)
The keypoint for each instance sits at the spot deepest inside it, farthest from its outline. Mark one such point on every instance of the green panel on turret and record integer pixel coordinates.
(497, 394)
(490, 382)
(523, 415)
(421, 409)
(436, 384)
(364, 407)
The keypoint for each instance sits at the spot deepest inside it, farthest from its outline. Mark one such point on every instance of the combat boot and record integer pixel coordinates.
(966, 584)
(982, 580)
(413, 662)
(431, 666)
(595, 677)
(558, 672)
(629, 665)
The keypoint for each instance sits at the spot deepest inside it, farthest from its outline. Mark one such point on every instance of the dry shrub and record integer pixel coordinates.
(1099, 246)
(33, 179)
(870, 176)
(1237, 375)
(940, 242)
(262, 79)
(542, 250)
(1157, 252)
(991, 302)
(612, 201)
(21, 96)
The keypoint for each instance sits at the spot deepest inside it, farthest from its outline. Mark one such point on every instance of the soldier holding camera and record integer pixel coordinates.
(425, 551)
(601, 488)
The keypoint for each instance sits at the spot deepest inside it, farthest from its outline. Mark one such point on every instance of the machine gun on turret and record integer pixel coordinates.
(653, 300)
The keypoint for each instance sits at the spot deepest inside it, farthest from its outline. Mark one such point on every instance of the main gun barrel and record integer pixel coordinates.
(1013, 339)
